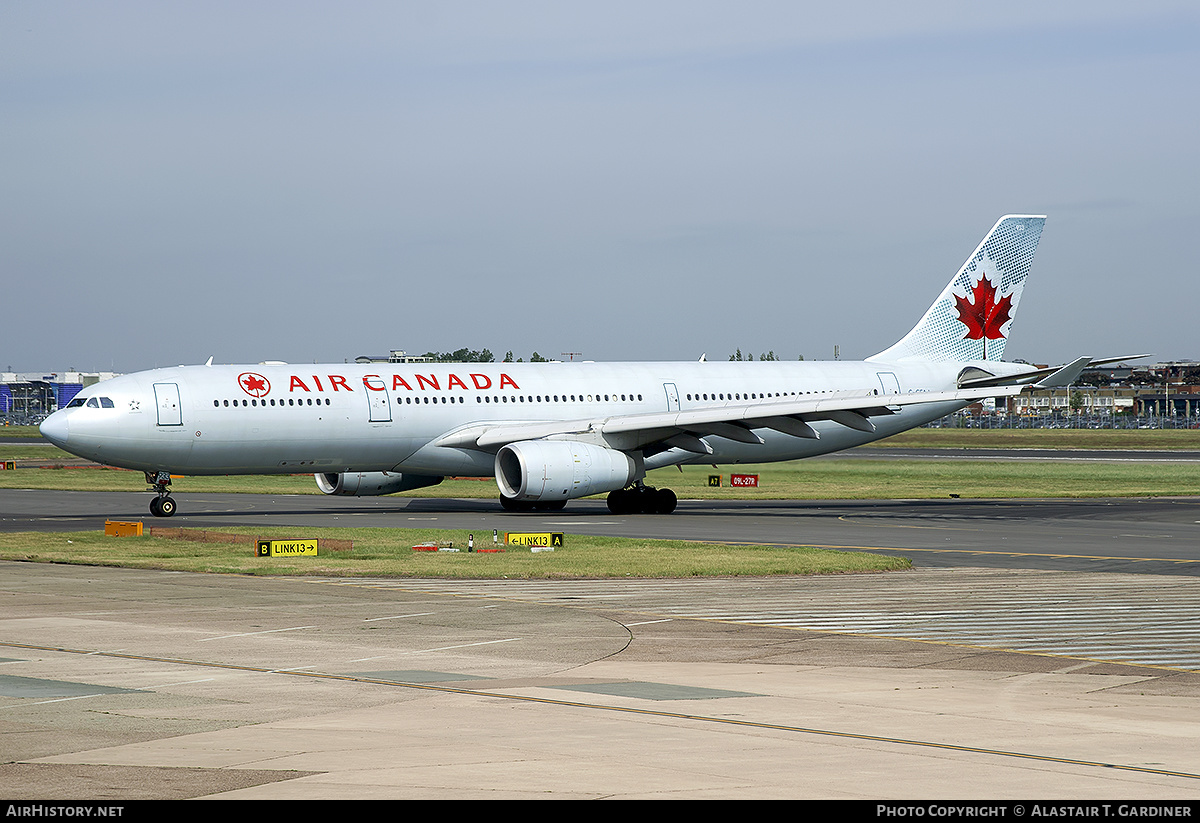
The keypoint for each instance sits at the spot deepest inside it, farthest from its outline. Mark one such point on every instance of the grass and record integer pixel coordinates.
(797, 480)
(1104, 439)
(33, 451)
(388, 553)
(947, 438)
(20, 431)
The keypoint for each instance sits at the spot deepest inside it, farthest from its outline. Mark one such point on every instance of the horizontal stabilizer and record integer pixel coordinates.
(1033, 376)
(1065, 376)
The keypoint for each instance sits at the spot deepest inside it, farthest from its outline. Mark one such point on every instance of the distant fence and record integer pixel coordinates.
(960, 420)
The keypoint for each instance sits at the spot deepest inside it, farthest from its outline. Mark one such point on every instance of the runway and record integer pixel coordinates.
(1138, 535)
(1026, 656)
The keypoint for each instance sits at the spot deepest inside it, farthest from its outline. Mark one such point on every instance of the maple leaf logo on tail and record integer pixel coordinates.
(983, 296)
(983, 315)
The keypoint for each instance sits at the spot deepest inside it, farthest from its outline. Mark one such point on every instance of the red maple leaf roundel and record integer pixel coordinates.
(253, 384)
(984, 315)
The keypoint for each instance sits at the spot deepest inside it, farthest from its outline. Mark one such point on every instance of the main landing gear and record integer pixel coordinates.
(641, 499)
(163, 505)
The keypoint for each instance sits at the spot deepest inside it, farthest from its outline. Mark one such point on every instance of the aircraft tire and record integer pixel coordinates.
(642, 501)
(621, 502)
(162, 507)
(665, 500)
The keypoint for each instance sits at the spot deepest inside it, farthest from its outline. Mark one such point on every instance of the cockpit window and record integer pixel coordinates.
(92, 403)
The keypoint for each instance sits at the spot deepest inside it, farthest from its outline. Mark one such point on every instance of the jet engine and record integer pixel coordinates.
(370, 484)
(552, 470)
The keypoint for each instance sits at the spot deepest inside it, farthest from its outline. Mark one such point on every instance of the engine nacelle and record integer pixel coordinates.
(370, 484)
(550, 470)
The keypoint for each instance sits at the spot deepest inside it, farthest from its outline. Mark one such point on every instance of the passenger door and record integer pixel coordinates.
(380, 405)
(166, 398)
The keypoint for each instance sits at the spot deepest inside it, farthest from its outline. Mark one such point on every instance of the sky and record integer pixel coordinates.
(311, 182)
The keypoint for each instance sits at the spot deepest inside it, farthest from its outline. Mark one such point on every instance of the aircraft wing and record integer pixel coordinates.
(684, 429)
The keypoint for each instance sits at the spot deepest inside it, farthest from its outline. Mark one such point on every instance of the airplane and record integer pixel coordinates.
(558, 431)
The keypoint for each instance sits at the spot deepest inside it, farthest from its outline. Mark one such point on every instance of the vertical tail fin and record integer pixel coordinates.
(972, 317)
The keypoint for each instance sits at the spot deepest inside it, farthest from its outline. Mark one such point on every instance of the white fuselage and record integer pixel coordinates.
(272, 419)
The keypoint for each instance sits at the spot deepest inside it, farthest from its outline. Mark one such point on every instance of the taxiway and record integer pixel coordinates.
(1024, 656)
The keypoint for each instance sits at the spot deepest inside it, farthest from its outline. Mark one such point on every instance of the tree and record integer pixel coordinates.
(461, 356)
(738, 356)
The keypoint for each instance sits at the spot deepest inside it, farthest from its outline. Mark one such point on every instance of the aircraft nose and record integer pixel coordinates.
(54, 428)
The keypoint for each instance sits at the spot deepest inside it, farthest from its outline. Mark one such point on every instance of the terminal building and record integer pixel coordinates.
(26, 398)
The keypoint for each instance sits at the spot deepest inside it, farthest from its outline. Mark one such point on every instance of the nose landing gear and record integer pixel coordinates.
(163, 505)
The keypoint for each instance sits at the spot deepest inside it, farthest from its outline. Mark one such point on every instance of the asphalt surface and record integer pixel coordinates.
(1138, 535)
(1045, 648)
